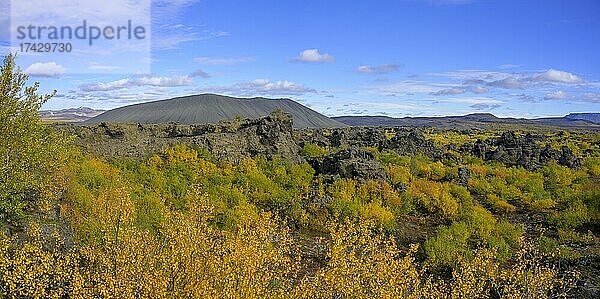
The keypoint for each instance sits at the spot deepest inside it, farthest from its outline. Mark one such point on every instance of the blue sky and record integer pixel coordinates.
(396, 58)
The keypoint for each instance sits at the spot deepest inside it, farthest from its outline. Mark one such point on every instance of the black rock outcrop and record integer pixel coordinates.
(352, 162)
(269, 136)
(521, 151)
(360, 137)
(412, 141)
(463, 176)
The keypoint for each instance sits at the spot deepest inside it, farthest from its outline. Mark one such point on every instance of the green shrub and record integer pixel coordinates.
(500, 205)
(375, 201)
(540, 205)
(574, 216)
(435, 197)
(31, 152)
(569, 236)
(390, 157)
(592, 164)
(399, 174)
(547, 245)
(310, 150)
(481, 222)
(448, 246)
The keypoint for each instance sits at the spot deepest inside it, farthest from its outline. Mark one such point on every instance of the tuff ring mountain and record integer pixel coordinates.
(212, 108)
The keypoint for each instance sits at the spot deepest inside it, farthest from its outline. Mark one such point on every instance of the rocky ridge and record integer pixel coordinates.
(521, 151)
(273, 136)
(270, 136)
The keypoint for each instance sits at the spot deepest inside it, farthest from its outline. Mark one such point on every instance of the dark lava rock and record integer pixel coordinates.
(568, 159)
(548, 154)
(525, 151)
(412, 141)
(269, 136)
(400, 187)
(359, 137)
(312, 136)
(406, 141)
(463, 176)
(479, 149)
(112, 130)
(354, 163)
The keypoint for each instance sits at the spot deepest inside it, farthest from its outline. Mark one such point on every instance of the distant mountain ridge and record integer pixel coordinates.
(593, 117)
(69, 114)
(480, 117)
(475, 120)
(212, 108)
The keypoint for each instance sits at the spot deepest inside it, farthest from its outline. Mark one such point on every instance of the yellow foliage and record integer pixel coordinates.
(478, 170)
(190, 259)
(500, 205)
(435, 197)
(593, 165)
(399, 174)
(363, 264)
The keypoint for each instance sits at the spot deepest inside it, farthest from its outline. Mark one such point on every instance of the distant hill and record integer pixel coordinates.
(470, 121)
(593, 117)
(69, 115)
(477, 117)
(212, 108)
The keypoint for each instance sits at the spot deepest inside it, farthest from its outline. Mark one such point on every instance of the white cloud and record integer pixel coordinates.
(509, 83)
(478, 89)
(313, 55)
(474, 75)
(449, 91)
(199, 73)
(163, 81)
(556, 76)
(124, 52)
(222, 60)
(52, 12)
(170, 10)
(267, 86)
(49, 69)
(556, 95)
(4, 22)
(483, 106)
(106, 86)
(100, 67)
(377, 108)
(378, 69)
(472, 100)
(170, 30)
(260, 87)
(410, 87)
(155, 81)
(591, 97)
(170, 37)
(526, 98)
(593, 84)
(114, 98)
(516, 80)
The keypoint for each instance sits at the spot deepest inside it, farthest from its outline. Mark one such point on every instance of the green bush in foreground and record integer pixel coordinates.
(30, 152)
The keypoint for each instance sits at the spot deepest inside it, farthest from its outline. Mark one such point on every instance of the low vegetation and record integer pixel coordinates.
(183, 224)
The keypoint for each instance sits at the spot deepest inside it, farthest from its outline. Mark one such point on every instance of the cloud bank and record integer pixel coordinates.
(313, 56)
(378, 69)
(48, 70)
